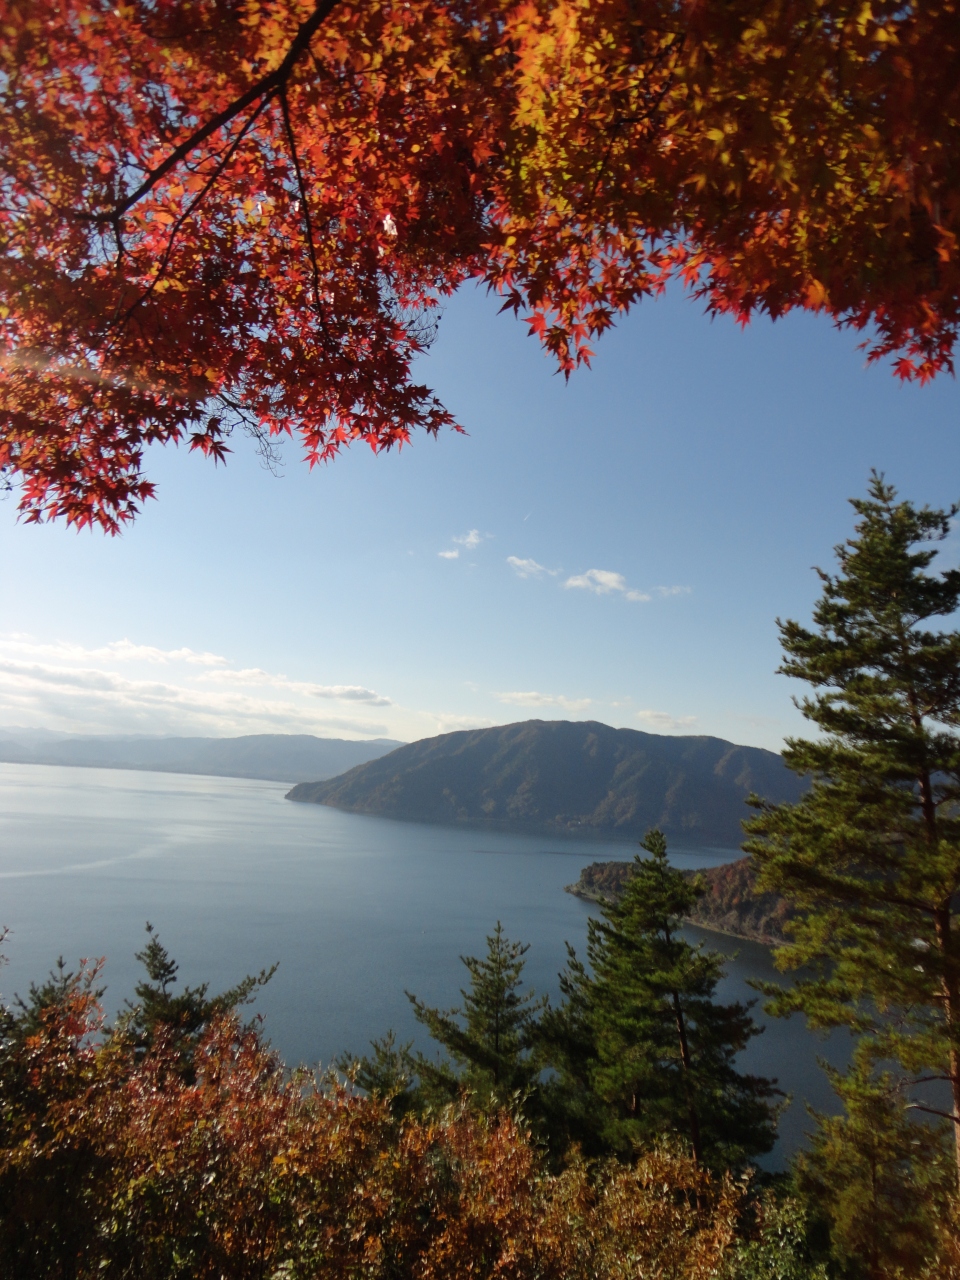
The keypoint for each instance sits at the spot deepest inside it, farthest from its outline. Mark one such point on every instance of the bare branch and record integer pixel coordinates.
(932, 1111)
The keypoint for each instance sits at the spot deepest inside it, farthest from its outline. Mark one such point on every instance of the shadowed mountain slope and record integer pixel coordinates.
(571, 777)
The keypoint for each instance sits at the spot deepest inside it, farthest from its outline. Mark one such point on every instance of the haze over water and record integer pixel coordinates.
(356, 910)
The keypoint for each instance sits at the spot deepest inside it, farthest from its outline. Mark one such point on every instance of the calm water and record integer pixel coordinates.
(356, 910)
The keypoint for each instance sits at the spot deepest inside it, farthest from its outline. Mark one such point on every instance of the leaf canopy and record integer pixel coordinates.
(233, 214)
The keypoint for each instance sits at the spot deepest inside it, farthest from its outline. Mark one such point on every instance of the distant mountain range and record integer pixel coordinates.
(570, 777)
(275, 757)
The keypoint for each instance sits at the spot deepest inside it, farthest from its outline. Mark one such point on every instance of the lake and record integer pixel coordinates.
(356, 910)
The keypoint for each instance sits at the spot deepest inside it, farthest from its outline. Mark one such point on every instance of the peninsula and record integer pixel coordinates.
(562, 777)
(730, 904)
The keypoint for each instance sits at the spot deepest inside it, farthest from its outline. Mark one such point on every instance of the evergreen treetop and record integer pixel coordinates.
(641, 1024)
(871, 855)
(489, 1039)
(180, 1016)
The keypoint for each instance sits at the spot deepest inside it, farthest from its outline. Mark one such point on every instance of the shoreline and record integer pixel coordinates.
(587, 895)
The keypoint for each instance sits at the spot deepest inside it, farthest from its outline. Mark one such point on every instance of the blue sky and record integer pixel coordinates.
(613, 548)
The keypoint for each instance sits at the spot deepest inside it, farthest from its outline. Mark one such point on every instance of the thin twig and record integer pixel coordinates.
(175, 229)
(301, 186)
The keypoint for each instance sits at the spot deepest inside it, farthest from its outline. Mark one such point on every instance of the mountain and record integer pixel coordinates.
(571, 777)
(276, 757)
(730, 903)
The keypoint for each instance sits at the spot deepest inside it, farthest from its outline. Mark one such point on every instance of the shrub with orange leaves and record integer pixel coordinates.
(114, 1164)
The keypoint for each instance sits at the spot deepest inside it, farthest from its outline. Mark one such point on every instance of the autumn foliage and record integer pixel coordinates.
(113, 1165)
(244, 213)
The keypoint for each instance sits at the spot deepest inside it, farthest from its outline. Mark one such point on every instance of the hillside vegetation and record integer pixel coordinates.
(730, 904)
(566, 777)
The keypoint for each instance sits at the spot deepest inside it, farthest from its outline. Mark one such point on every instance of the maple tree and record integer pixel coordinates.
(222, 214)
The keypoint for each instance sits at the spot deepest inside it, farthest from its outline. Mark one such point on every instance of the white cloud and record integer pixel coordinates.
(82, 691)
(339, 692)
(116, 651)
(663, 722)
(528, 568)
(663, 592)
(533, 699)
(469, 541)
(452, 723)
(604, 582)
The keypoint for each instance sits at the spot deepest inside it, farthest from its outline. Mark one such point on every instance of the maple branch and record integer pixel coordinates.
(645, 117)
(270, 456)
(175, 229)
(264, 87)
(308, 226)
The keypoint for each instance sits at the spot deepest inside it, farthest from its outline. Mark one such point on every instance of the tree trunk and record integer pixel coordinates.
(951, 980)
(685, 1065)
(951, 1013)
(955, 1085)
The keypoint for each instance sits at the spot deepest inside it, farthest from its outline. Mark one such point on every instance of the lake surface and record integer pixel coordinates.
(356, 910)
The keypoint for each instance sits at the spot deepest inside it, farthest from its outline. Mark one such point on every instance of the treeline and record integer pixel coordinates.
(174, 1144)
(607, 1136)
(638, 1050)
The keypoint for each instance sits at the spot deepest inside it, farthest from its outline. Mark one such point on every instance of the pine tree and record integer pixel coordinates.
(641, 1029)
(26, 1017)
(181, 1016)
(871, 854)
(881, 1181)
(573, 1114)
(489, 1040)
(388, 1073)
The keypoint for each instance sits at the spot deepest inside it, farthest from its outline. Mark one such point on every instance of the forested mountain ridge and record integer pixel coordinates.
(566, 777)
(273, 757)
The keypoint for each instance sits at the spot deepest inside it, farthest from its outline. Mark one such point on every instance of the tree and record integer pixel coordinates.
(57, 990)
(388, 1074)
(883, 1182)
(654, 1049)
(47, 1064)
(871, 855)
(778, 1246)
(113, 1164)
(180, 1018)
(223, 214)
(488, 1043)
(575, 1115)
(491, 1052)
